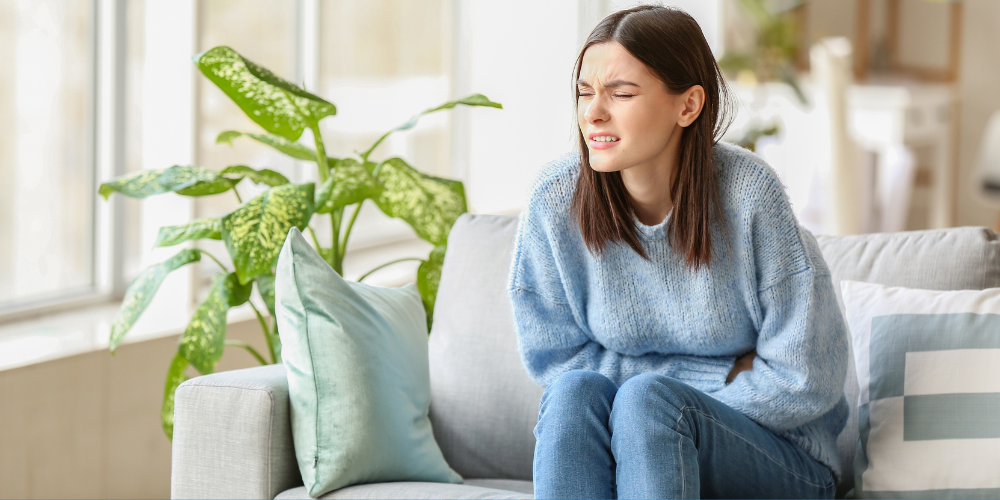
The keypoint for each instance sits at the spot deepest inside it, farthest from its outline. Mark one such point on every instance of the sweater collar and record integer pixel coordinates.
(657, 231)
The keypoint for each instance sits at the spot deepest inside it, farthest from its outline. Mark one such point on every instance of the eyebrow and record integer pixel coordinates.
(612, 84)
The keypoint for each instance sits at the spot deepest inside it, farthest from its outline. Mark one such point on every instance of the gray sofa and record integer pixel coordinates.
(232, 437)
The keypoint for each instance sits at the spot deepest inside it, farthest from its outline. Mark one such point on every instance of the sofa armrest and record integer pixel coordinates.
(233, 436)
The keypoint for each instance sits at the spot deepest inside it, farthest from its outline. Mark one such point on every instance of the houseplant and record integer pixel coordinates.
(255, 231)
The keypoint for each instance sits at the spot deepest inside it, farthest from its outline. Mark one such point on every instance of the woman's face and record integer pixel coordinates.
(626, 114)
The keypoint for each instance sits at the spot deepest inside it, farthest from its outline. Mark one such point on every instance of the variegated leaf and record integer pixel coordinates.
(204, 338)
(429, 204)
(279, 106)
(194, 230)
(428, 278)
(472, 100)
(265, 287)
(290, 148)
(140, 293)
(349, 182)
(175, 377)
(255, 231)
(182, 179)
(262, 176)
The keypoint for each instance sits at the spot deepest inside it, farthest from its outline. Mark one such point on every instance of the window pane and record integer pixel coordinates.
(381, 62)
(46, 116)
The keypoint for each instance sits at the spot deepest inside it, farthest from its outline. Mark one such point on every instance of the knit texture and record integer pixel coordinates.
(621, 315)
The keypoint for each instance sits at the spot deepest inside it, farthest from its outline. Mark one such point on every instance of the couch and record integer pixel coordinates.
(232, 436)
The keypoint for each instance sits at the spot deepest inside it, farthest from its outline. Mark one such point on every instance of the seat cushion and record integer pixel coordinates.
(963, 258)
(483, 405)
(481, 488)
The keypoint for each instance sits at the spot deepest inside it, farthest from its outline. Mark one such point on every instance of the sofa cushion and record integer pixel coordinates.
(483, 488)
(356, 357)
(483, 405)
(964, 258)
(929, 373)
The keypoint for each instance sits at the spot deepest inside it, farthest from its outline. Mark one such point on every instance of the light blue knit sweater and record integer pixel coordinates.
(621, 315)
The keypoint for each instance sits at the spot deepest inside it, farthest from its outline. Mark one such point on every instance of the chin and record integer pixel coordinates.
(604, 164)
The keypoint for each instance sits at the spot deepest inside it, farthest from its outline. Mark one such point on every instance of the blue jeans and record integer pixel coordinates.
(657, 437)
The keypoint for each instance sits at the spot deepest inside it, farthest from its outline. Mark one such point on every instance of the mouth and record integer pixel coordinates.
(602, 140)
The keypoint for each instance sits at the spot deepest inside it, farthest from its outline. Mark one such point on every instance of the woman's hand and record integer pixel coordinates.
(743, 363)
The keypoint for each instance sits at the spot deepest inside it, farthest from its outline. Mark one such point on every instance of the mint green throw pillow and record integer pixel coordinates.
(356, 357)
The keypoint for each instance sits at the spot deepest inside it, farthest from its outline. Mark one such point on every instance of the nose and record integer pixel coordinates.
(596, 111)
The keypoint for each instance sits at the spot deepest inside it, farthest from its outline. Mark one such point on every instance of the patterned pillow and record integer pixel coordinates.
(928, 366)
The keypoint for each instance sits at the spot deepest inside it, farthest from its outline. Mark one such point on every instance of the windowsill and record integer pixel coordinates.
(88, 329)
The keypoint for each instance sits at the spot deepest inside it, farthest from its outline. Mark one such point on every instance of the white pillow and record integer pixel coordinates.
(928, 366)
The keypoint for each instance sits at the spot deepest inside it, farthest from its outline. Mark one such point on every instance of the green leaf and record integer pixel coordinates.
(204, 338)
(239, 294)
(175, 377)
(290, 148)
(265, 287)
(262, 176)
(140, 293)
(472, 100)
(255, 231)
(428, 278)
(194, 230)
(182, 179)
(279, 106)
(349, 183)
(427, 203)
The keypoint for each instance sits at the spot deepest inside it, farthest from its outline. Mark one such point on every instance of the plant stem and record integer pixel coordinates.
(237, 193)
(249, 348)
(364, 156)
(338, 258)
(267, 332)
(324, 167)
(363, 276)
(324, 172)
(350, 224)
(224, 268)
(319, 248)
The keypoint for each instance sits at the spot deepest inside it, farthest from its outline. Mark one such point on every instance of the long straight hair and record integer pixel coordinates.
(670, 43)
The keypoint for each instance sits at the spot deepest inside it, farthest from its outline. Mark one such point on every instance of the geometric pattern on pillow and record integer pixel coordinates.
(929, 403)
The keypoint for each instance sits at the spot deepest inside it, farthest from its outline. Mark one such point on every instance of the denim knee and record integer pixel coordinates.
(577, 393)
(649, 397)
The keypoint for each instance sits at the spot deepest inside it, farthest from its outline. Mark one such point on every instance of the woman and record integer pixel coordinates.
(683, 324)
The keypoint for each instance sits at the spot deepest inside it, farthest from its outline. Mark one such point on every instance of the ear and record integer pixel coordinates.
(692, 101)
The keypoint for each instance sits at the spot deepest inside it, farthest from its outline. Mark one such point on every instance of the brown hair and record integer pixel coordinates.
(670, 43)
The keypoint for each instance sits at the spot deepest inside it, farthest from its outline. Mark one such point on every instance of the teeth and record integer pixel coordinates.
(605, 138)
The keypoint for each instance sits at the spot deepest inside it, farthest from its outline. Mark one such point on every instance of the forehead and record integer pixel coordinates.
(609, 61)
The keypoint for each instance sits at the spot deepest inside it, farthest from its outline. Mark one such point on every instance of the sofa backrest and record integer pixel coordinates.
(484, 406)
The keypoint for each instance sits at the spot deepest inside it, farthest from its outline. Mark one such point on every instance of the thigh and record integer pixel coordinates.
(737, 458)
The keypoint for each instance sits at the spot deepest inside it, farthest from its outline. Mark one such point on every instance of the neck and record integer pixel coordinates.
(648, 185)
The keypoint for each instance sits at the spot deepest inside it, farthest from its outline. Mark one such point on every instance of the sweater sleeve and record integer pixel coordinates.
(798, 374)
(551, 343)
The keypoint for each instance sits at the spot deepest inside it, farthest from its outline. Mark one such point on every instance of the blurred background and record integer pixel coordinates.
(878, 115)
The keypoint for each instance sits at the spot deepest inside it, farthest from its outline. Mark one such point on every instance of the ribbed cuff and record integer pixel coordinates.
(707, 372)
